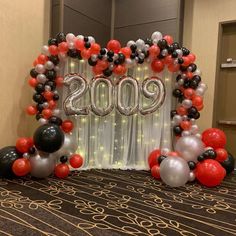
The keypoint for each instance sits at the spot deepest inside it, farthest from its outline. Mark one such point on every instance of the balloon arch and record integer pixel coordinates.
(113, 108)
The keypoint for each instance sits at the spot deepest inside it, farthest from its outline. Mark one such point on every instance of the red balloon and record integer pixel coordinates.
(187, 61)
(86, 53)
(114, 45)
(97, 70)
(155, 171)
(76, 161)
(95, 48)
(210, 172)
(31, 110)
(191, 57)
(59, 81)
(79, 44)
(173, 67)
(30, 142)
(67, 126)
(154, 51)
(152, 158)
(21, 167)
(168, 39)
(42, 59)
(189, 93)
(22, 145)
(102, 64)
(32, 82)
(48, 95)
(157, 65)
(63, 47)
(62, 170)
(119, 70)
(52, 104)
(168, 60)
(214, 138)
(181, 110)
(221, 154)
(126, 51)
(197, 101)
(47, 113)
(185, 124)
(173, 154)
(53, 50)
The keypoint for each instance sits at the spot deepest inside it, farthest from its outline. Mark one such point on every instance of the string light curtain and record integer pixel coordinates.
(115, 140)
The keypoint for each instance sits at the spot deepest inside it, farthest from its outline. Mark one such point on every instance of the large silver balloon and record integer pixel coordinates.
(174, 171)
(68, 148)
(42, 165)
(190, 147)
(101, 111)
(77, 87)
(157, 96)
(127, 109)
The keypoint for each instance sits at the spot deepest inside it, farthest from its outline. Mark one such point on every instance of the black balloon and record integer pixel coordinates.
(7, 157)
(48, 138)
(228, 164)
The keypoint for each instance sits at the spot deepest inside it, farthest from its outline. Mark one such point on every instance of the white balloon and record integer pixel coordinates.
(91, 39)
(179, 52)
(140, 44)
(43, 121)
(45, 50)
(80, 37)
(70, 37)
(131, 42)
(187, 103)
(191, 176)
(156, 35)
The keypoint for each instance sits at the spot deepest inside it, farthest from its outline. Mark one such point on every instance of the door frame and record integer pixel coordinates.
(218, 64)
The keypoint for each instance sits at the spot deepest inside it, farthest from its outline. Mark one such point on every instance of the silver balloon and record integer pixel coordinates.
(49, 65)
(191, 176)
(68, 148)
(194, 129)
(42, 165)
(40, 68)
(187, 103)
(185, 133)
(177, 119)
(101, 111)
(157, 96)
(77, 87)
(41, 78)
(45, 50)
(189, 147)
(131, 42)
(128, 109)
(70, 37)
(174, 171)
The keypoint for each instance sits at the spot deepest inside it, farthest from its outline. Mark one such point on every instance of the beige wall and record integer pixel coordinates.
(24, 28)
(201, 21)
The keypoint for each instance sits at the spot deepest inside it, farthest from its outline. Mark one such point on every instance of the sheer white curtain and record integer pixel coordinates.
(118, 141)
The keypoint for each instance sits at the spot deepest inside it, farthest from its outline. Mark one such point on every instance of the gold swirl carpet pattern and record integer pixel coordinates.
(115, 202)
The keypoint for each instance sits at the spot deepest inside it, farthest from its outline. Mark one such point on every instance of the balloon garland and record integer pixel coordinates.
(202, 156)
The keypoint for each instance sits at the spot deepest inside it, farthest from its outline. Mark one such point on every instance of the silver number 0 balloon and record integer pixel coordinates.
(77, 87)
(93, 91)
(128, 110)
(158, 96)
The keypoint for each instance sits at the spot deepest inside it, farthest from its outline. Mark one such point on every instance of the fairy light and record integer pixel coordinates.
(96, 119)
(83, 120)
(101, 148)
(123, 121)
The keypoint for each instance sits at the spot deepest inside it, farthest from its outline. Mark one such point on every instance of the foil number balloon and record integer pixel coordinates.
(78, 86)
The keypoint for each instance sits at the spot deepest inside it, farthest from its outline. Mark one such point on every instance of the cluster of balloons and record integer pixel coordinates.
(39, 156)
(204, 159)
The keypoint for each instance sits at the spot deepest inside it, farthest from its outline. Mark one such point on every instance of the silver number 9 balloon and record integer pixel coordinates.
(77, 87)
(157, 96)
(100, 111)
(130, 109)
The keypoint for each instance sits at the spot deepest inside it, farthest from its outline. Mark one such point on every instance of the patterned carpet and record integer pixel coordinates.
(115, 202)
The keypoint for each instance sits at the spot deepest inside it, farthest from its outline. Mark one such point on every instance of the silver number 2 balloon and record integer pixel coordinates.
(77, 87)
(129, 109)
(157, 96)
(101, 111)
